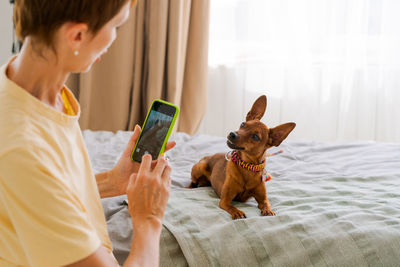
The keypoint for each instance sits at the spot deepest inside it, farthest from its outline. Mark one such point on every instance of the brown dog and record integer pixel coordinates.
(241, 177)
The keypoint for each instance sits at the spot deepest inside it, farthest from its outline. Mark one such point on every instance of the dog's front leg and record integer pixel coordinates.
(260, 194)
(227, 195)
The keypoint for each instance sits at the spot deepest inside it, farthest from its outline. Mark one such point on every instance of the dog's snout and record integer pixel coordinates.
(232, 136)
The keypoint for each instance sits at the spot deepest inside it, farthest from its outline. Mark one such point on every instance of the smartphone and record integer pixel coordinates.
(156, 130)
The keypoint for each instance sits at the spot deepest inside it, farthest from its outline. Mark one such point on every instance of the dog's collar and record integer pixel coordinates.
(245, 165)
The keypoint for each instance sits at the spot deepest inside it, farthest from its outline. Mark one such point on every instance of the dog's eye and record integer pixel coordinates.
(255, 137)
(242, 125)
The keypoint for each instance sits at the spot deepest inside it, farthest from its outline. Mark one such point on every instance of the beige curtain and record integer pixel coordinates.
(161, 52)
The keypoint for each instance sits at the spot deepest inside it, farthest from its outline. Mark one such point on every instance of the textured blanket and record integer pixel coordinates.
(336, 204)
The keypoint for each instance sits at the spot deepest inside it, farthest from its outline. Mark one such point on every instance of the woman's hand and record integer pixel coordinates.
(119, 175)
(148, 192)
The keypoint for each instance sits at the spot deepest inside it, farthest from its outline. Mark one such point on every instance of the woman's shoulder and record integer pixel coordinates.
(16, 138)
(20, 131)
(14, 109)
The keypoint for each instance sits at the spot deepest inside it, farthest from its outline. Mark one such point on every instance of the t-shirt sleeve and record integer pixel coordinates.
(48, 217)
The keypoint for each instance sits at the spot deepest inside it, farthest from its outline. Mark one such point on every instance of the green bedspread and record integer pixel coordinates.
(328, 222)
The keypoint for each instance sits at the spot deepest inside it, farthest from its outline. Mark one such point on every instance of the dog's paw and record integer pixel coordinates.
(267, 212)
(238, 214)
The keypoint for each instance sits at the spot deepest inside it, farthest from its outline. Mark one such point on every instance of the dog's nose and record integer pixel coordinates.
(232, 136)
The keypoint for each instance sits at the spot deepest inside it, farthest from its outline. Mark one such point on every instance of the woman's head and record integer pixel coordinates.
(41, 18)
(79, 22)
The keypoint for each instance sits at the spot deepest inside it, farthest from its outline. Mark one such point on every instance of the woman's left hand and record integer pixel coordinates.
(119, 175)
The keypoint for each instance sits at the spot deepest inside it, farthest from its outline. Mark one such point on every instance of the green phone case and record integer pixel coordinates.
(169, 129)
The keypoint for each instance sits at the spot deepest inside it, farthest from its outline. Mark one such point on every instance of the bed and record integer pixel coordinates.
(337, 204)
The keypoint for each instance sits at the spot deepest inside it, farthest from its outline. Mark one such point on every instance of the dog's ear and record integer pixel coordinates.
(279, 133)
(258, 109)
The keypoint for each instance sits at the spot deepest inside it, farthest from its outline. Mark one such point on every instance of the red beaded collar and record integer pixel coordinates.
(232, 155)
(246, 165)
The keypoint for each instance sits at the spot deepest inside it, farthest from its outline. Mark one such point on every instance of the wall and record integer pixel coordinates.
(5, 30)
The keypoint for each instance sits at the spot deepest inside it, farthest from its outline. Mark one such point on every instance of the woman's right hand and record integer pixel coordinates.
(148, 192)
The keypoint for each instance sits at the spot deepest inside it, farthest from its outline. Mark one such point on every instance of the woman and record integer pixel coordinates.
(50, 210)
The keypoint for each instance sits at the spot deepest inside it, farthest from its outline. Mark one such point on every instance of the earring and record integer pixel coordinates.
(76, 52)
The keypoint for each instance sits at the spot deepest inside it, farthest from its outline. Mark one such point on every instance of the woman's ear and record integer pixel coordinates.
(75, 34)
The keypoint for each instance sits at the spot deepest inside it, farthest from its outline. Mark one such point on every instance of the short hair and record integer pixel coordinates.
(42, 18)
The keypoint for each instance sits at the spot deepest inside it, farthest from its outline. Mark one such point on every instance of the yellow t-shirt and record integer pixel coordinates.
(50, 209)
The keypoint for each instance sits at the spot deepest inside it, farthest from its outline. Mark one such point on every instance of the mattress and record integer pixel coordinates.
(336, 204)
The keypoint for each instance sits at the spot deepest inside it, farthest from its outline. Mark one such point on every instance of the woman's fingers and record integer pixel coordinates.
(132, 140)
(166, 177)
(166, 173)
(132, 179)
(160, 166)
(131, 183)
(169, 145)
(145, 164)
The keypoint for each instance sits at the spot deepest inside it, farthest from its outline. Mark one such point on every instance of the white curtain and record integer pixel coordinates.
(331, 66)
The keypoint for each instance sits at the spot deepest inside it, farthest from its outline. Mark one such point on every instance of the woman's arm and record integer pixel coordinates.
(115, 181)
(148, 193)
(145, 249)
(108, 185)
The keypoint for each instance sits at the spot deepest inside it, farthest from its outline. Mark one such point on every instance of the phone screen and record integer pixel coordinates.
(154, 131)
